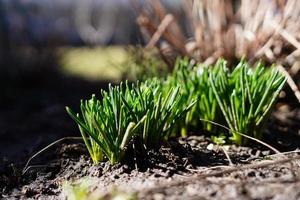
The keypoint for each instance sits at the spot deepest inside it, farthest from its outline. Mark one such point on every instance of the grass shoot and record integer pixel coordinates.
(246, 96)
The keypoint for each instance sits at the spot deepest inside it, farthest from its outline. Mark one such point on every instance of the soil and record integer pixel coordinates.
(178, 160)
(32, 115)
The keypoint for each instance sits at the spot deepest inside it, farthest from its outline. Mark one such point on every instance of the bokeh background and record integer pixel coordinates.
(52, 54)
(73, 33)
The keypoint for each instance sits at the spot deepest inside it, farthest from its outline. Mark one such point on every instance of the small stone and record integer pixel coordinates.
(210, 147)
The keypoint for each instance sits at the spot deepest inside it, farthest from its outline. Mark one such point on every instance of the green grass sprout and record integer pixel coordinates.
(246, 96)
(195, 85)
(106, 126)
(161, 110)
(126, 111)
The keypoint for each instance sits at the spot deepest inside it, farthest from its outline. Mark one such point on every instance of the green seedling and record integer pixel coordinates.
(195, 85)
(106, 126)
(245, 96)
(161, 111)
(127, 111)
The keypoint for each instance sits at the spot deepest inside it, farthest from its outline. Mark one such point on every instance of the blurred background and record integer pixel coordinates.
(72, 33)
(54, 53)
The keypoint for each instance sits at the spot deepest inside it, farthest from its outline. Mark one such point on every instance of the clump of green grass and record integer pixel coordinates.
(106, 126)
(194, 80)
(160, 109)
(240, 99)
(245, 96)
(127, 111)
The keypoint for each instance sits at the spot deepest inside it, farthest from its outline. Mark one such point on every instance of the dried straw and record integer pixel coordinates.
(266, 30)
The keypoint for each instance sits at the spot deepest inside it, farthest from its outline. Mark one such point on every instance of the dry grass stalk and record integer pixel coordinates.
(267, 30)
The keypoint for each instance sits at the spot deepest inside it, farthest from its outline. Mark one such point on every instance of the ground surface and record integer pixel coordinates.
(32, 115)
(155, 176)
